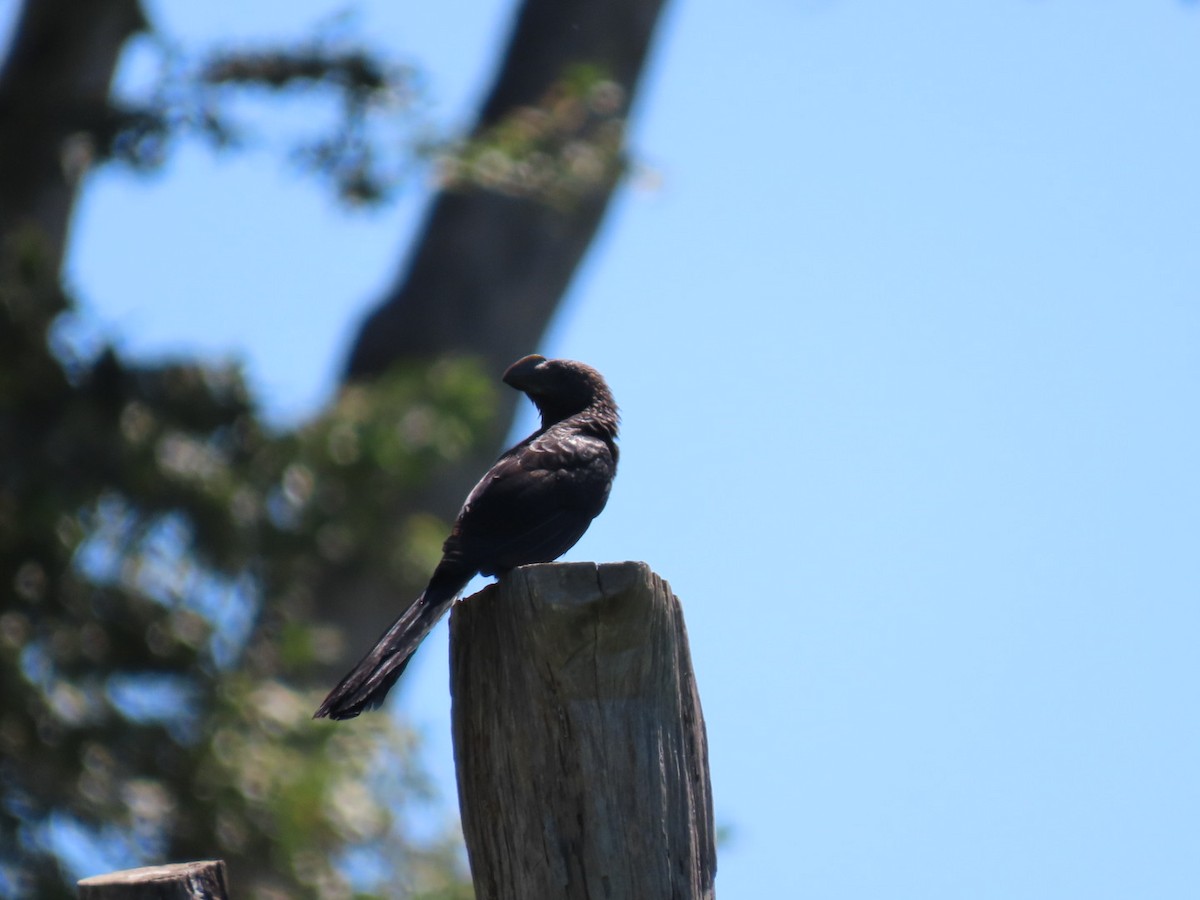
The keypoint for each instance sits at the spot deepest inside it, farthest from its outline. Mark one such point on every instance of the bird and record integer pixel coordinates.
(532, 506)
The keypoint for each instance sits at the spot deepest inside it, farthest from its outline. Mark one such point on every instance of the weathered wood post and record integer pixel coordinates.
(578, 738)
(180, 881)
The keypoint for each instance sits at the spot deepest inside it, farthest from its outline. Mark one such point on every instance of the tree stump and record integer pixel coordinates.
(179, 881)
(579, 741)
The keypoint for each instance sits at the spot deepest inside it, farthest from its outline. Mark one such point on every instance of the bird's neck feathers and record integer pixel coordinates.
(599, 416)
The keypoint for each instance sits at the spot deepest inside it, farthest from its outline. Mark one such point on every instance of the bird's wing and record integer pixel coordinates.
(534, 503)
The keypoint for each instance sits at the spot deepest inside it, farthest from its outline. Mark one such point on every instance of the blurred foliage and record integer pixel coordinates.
(372, 130)
(159, 549)
(566, 148)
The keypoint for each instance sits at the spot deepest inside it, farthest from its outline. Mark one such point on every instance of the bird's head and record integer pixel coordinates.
(560, 388)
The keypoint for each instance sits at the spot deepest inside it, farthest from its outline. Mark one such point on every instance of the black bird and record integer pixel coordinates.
(531, 506)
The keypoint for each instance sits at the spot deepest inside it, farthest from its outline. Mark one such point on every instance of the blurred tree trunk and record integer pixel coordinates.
(488, 271)
(54, 89)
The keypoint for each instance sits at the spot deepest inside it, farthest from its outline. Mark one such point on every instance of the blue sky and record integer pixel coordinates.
(906, 336)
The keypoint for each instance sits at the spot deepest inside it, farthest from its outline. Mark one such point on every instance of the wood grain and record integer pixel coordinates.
(579, 739)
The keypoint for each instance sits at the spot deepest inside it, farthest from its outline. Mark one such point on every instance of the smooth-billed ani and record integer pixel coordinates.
(531, 506)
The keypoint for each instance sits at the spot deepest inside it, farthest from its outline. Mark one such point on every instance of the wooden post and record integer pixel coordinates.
(179, 881)
(578, 738)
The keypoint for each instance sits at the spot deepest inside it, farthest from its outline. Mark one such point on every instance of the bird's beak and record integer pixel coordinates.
(523, 373)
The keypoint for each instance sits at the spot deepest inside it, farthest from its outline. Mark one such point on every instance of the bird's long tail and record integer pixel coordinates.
(368, 683)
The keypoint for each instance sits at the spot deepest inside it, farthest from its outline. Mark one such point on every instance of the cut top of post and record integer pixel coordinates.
(204, 880)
